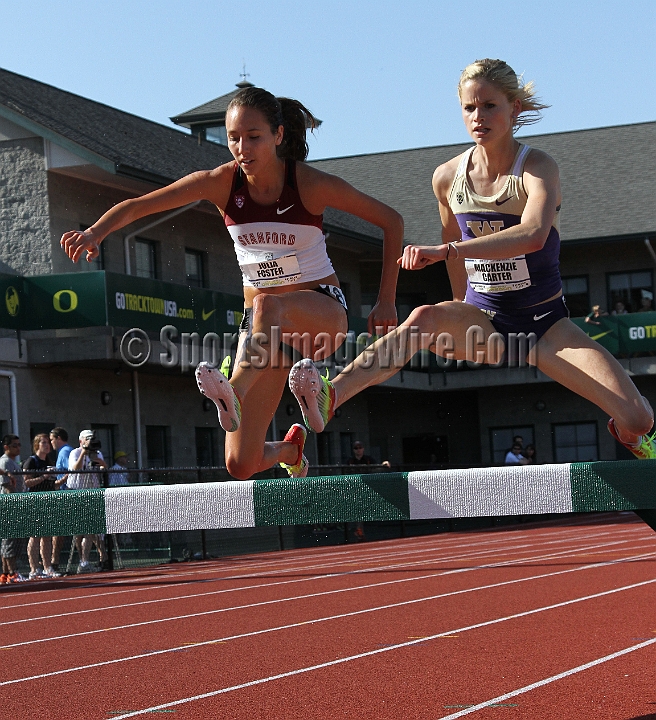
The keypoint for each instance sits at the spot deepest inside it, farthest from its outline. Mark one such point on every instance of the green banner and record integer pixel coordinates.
(71, 300)
(13, 306)
(623, 334)
(98, 298)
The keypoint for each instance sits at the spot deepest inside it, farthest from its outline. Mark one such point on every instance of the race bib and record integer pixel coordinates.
(269, 273)
(495, 276)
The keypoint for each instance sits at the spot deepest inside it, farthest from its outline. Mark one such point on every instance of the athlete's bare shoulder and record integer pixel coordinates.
(217, 183)
(443, 178)
(318, 188)
(309, 176)
(540, 164)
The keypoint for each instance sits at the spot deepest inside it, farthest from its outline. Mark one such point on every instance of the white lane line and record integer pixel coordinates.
(360, 571)
(535, 685)
(378, 651)
(479, 553)
(514, 548)
(372, 554)
(276, 564)
(355, 613)
(563, 554)
(397, 581)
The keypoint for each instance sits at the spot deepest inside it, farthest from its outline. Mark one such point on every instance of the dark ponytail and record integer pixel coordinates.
(291, 114)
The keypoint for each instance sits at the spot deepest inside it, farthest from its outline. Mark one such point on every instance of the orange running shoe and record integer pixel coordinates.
(297, 435)
(644, 450)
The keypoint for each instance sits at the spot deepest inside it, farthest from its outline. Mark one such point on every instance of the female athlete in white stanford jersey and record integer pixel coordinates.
(272, 203)
(499, 204)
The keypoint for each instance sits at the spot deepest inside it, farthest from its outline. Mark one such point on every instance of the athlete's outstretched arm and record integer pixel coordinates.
(212, 185)
(320, 190)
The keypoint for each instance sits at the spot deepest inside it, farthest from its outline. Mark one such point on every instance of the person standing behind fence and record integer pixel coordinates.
(85, 457)
(358, 457)
(59, 441)
(11, 481)
(38, 479)
(118, 471)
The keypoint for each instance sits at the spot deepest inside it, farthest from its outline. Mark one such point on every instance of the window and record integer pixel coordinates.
(145, 254)
(575, 290)
(217, 134)
(626, 287)
(194, 268)
(426, 449)
(575, 443)
(206, 444)
(345, 446)
(501, 440)
(157, 446)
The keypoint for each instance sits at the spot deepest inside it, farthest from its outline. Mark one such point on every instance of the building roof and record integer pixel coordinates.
(214, 110)
(119, 142)
(613, 168)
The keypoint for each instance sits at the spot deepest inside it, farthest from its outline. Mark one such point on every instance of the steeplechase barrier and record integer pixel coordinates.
(478, 492)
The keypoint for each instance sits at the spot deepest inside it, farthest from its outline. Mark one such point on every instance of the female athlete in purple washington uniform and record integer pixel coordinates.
(272, 203)
(499, 205)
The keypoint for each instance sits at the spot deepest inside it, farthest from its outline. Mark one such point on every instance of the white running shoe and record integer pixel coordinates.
(314, 393)
(214, 385)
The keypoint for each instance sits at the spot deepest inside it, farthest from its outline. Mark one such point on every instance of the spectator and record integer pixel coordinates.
(117, 472)
(594, 317)
(86, 457)
(11, 481)
(646, 301)
(619, 309)
(59, 441)
(529, 454)
(517, 440)
(38, 479)
(514, 456)
(358, 457)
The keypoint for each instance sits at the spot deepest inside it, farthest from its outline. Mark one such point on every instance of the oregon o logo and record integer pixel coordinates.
(57, 301)
(12, 301)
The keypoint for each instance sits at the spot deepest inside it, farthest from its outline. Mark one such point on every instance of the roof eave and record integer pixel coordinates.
(93, 158)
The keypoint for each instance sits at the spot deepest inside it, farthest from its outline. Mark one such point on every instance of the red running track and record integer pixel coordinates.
(552, 621)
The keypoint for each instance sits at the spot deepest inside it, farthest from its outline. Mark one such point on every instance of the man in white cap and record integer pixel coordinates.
(86, 457)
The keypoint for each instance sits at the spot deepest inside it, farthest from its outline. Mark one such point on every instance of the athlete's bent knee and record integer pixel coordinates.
(425, 318)
(638, 419)
(266, 310)
(239, 468)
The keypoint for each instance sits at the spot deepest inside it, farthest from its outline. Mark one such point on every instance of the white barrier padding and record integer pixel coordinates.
(485, 492)
(199, 506)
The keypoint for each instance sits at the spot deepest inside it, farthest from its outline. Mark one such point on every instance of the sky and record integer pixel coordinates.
(381, 76)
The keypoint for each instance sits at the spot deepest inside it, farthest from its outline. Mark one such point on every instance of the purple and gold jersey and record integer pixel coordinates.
(518, 282)
(279, 244)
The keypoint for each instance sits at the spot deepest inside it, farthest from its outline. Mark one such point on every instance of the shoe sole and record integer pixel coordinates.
(305, 384)
(216, 387)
